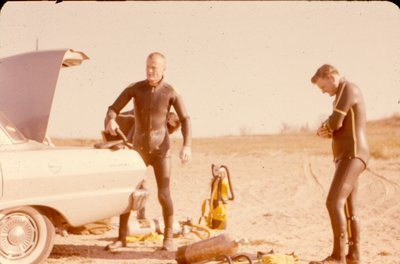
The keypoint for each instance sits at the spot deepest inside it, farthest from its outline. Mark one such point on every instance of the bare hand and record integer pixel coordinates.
(185, 154)
(324, 132)
(111, 127)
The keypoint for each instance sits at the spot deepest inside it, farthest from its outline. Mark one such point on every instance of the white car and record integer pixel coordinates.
(45, 187)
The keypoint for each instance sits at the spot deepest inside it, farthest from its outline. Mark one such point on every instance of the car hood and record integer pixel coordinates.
(27, 85)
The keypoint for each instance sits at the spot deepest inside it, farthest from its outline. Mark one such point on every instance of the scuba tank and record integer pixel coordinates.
(206, 250)
(221, 193)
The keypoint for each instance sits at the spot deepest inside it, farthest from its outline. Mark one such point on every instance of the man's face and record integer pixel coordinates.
(155, 69)
(327, 85)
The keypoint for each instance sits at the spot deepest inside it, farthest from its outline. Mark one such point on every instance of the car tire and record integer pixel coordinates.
(26, 236)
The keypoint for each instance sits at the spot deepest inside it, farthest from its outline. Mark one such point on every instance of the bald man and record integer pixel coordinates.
(152, 99)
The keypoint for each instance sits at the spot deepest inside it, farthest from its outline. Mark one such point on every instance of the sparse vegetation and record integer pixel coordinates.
(244, 131)
(286, 128)
(383, 137)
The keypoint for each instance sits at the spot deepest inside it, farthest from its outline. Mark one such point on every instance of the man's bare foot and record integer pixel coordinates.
(168, 245)
(115, 245)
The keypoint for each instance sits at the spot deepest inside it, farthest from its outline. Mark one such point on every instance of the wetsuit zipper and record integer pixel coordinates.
(150, 119)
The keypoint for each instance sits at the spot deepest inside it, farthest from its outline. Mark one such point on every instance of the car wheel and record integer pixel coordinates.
(26, 236)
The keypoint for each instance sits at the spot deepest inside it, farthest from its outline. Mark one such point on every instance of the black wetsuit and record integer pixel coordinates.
(151, 137)
(350, 150)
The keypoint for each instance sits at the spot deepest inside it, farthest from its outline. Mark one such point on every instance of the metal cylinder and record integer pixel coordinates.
(207, 249)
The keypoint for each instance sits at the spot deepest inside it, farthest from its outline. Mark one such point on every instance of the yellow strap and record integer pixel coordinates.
(340, 111)
(213, 191)
(278, 258)
(197, 229)
(203, 212)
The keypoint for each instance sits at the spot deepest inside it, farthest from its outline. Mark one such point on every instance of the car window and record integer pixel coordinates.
(9, 133)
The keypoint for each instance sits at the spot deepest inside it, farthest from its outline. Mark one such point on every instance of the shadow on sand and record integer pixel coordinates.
(61, 251)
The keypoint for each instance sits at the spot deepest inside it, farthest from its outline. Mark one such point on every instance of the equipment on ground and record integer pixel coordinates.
(200, 231)
(138, 227)
(272, 257)
(207, 250)
(221, 193)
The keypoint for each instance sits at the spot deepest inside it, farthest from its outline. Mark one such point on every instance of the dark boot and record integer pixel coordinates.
(339, 248)
(328, 260)
(353, 261)
(353, 256)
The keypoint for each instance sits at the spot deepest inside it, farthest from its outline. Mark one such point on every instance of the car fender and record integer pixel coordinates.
(82, 184)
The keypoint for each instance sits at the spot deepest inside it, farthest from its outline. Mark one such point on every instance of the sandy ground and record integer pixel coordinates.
(280, 190)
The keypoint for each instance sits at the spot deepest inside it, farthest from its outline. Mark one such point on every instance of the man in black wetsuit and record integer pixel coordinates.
(346, 126)
(152, 99)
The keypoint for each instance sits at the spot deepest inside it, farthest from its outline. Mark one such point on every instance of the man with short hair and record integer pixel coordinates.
(346, 126)
(152, 100)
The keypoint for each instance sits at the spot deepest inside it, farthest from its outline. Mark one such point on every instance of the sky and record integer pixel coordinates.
(242, 67)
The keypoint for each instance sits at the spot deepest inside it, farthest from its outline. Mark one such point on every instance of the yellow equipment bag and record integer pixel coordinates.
(221, 193)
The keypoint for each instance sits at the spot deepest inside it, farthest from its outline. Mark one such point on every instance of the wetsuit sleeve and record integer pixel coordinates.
(119, 103)
(186, 126)
(345, 100)
(121, 100)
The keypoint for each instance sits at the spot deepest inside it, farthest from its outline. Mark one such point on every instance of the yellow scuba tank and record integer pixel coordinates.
(221, 193)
